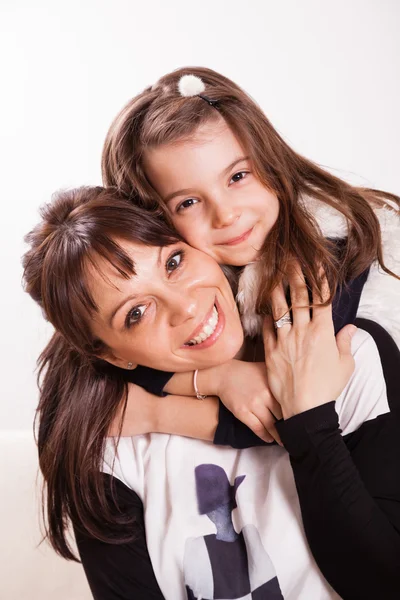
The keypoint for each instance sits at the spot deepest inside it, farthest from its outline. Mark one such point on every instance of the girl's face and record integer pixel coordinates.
(214, 199)
(177, 313)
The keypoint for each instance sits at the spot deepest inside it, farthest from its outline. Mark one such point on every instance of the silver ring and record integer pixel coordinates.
(285, 320)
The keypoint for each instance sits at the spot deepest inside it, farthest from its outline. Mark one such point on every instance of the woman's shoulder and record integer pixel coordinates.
(126, 498)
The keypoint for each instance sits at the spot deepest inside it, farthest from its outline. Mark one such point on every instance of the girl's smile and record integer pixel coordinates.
(238, 240)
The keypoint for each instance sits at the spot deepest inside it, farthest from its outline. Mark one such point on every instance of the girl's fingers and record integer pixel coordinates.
(272, 430)
(325, 292)
(280, 309)
(299, 295)
(269, 336)
(278, 302)
(257, 427)
(263, 425)
(268, 419)
(276, 409)
(322, 313)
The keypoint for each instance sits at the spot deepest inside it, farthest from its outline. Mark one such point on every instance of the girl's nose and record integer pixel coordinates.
(224, 214)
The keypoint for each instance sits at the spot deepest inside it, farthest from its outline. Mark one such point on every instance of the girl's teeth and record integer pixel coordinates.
(208, 330)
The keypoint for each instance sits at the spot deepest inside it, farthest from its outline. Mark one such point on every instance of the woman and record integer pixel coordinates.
(122, 289)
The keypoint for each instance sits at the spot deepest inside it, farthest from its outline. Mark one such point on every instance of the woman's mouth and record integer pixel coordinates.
(210, 330)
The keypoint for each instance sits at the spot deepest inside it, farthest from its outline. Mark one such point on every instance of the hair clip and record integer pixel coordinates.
(191, 85)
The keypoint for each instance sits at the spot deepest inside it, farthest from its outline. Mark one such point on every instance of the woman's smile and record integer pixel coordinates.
(208, 332)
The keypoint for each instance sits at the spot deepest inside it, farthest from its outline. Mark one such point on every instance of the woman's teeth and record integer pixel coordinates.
(207, 330)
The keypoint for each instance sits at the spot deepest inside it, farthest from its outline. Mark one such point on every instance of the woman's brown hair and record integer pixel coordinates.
(80, 393)
(160, 115)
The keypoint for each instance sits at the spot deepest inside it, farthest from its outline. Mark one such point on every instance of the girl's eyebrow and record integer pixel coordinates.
(234, 163)
(177, 193)
(188, 190)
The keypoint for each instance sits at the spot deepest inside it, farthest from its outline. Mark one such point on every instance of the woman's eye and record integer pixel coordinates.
(238, 176)
(174, 261)
(186, 204)
(134, 315)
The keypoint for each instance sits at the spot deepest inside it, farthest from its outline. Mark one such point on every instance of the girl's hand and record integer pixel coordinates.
(306, 365)
(245, 392)
(175, 415)
(140, 414)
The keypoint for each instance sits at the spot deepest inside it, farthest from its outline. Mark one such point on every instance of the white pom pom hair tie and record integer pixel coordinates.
(191, 85)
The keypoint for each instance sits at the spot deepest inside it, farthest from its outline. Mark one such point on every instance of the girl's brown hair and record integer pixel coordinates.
(80, 394)
(160, 115)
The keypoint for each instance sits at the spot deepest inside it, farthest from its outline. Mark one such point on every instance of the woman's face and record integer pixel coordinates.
(177, 313)
(212, 196)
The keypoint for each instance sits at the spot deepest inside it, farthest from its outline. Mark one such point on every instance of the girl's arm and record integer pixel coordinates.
(242, 387)
(176, 415)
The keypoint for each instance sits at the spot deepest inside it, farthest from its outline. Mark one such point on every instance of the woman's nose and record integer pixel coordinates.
(182, 306)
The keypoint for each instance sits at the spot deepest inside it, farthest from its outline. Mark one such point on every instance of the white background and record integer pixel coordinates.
(325, 72)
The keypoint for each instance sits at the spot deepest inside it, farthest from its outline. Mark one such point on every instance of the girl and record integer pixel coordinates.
(118, 259)
(233, 188)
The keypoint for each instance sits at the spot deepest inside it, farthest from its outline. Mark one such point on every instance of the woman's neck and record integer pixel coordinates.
(252, 350)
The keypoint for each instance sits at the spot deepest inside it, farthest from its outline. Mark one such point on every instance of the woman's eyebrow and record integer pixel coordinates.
(224, 172)
(132, 296)
(119, 306)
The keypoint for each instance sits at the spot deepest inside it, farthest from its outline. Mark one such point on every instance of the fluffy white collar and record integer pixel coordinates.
(380, 299)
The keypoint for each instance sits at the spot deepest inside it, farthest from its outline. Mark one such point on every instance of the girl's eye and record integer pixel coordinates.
(174, 261)
(238, 176)
(186, 204)
(134, 315)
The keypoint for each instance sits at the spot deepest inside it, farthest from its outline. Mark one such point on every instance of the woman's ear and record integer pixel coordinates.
(117, 362)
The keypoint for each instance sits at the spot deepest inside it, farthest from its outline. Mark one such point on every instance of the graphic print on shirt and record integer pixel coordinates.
(227, 565)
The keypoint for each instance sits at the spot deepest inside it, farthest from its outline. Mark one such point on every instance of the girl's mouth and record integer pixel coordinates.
(209, 331)
(239, 239)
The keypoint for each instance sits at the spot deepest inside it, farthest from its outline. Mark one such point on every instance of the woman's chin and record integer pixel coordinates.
(226, 350)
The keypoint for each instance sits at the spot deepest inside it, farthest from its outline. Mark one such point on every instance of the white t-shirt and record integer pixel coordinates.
(265, 552)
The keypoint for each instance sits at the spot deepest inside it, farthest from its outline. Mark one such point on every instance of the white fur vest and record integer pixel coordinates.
(380, 299)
